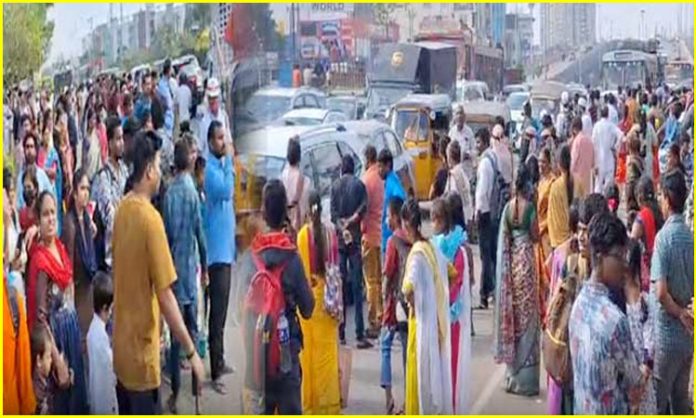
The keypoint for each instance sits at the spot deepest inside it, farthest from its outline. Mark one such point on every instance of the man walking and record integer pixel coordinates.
(606, 137)
(220, 233)
(485, 176)
(582, 158)
(348, 207)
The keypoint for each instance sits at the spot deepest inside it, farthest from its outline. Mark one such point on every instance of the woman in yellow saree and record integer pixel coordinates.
(318, 249)
(428, 352)
(543, 247)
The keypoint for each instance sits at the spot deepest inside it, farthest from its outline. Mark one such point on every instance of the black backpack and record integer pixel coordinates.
(501, 191)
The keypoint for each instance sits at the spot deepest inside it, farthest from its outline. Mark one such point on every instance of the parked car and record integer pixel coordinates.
(352, 106)
(472, 91)
(269, 104)
(514, 88)
(311, 117)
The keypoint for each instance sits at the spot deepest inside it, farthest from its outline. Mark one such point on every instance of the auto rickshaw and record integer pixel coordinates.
(421, 120)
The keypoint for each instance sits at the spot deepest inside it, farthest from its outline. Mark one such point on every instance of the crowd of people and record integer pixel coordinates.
(118, 216)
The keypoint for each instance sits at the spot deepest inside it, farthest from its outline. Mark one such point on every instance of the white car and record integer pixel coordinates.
(311, 117)
(188, 64)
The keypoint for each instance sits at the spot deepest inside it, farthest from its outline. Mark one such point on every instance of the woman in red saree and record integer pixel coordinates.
(625, 125)
(648, 222)
(50, 301)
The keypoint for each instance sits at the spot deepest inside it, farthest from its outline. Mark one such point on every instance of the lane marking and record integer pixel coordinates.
(491, 387)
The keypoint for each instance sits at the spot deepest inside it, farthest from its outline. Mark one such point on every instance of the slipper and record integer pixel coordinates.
(390, 407)
(219, 387)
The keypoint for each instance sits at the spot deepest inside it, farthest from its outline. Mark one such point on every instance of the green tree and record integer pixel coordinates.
(197, 14)
(27, 37)
(383, 15)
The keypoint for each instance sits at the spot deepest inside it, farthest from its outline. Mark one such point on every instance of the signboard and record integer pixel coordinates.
(316, 12)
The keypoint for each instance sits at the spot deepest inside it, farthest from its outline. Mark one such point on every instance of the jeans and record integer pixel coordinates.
(350, 264)
(386, 340)
(372, 269)
(188, 312)
(138, 403)
(672, 373)
(487, 242)
(219, 292)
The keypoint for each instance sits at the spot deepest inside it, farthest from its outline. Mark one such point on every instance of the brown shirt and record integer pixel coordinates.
(142, 266)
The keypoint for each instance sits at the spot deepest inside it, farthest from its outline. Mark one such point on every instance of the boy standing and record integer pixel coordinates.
(102, 380)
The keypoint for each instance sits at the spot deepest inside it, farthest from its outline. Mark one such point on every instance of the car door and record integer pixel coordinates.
(326, 164)
(345, 149)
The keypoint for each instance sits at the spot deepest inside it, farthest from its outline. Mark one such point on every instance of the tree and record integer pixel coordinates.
(197, 14)
(27, 37)
(383, 15)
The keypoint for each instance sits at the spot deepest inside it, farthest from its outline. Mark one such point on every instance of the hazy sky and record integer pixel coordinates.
(72, 20)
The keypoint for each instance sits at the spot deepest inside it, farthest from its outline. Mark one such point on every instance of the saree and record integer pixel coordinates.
(542, 249)
(428, 352)
(452, 246)
(517, 326)
(625, 125)
(319, 356)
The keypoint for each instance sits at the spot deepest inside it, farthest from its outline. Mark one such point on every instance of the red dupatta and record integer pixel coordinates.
(60, 272)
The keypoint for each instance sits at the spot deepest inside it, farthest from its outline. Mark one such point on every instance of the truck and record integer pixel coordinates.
(399, 69)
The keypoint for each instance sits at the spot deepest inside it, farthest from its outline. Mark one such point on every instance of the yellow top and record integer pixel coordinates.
(559, 212)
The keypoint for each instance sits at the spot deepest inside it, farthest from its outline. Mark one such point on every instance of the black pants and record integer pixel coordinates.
(352, 275)
(488, 235)
(219, 293)
(188, 311)
(284, 395)
(138, 403)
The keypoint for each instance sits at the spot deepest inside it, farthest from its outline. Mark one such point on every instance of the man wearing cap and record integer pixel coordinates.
(213, 111)
(462, 133)
(164, 91)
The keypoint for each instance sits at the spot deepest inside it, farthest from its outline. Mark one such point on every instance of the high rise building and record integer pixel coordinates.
(565, 26)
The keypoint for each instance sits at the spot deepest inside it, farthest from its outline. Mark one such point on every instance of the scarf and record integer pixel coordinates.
(449, 243)
(85, 244)
(60, 272)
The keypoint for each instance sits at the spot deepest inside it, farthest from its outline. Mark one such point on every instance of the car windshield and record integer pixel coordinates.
(470, 93)
(347, 107)
(266, 107)
(516, 100)
(301, 121)
(411, 125)
(379, 99)
(255, 171)
(543, 104)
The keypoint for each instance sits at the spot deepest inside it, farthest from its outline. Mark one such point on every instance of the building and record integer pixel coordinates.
(519, 39)
(565, 26)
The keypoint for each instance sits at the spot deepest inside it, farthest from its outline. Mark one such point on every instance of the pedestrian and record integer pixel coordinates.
(581, 158)
(462, 133)
(89, 152)
(428, 357)
(488, 226)
(271, 390)
(502, 152)
(166, 96)
(48, 159)
(317, 246)
(27, 214)
(50, 374)
(395, 317)
(296, 76)
(543, 247)
(213, 112)
(29, 144)
(220, 229)
(49, 283)
(606, 370)
(672, 273)
(561, 195)
(458, 180)
(298, 186)
(184, 227)
(392, 189)
(183, 99)
(143, 103)
(648, 221)
(450, 240)
(307, 75)
(606, 137)
(625, 126)
(528, 146)
(78, 237)
(671, 130)
(437, 188)
(371, 229)
(634, 170)
(517, 298)
(586, 117)
(108, 188)
(143, 274)
(348, 208)
(102, 379)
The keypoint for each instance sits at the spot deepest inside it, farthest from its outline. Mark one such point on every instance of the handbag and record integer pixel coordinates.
(333, 287)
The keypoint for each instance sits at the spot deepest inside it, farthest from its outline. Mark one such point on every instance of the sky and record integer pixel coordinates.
(621, 20)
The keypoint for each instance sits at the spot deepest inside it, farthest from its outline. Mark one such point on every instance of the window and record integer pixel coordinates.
(310, 101)
(392, 143)
(347, 150)
(327, 167)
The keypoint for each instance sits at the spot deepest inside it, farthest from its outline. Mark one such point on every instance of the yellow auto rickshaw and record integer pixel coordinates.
(421, 120)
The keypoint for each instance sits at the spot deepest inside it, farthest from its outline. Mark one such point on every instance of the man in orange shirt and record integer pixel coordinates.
(296, 76)
(582, 159)
(372, 236)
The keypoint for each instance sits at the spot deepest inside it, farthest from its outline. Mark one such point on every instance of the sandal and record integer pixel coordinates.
(219, 387)
(390, 407)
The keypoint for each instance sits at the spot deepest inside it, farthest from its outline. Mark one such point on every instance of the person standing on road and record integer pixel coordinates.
(561, 196)
(348, 208)
(581, 158)
(183, 99)
(30, 143)
(488, 227)
(371, 229)
(458, 180)
(392, 189)
(606, 137)
(297, 186)
(462, 133)
(213, 112)
(184, 228)
(166, 94)
(144, 102)
(220, 226)
(143, 277)
(317, 246)
(672, 273)
(586, 117)
(107, 191)
(429, 351)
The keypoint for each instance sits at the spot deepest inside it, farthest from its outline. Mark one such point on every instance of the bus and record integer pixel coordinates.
(677, 71)
(624, 68)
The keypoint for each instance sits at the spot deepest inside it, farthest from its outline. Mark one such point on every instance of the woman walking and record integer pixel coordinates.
(428, 357)
(517, 321)
(318, 250)
(543, 247)
(561, 195)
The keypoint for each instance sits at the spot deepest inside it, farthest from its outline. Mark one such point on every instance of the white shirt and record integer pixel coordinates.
(484, 182)
(605, 137)
(613, 115)
(207, 119)
(466, 140)
(183, 101)
(458, 182)
(587, 124)
(290, 180)
(102, 379)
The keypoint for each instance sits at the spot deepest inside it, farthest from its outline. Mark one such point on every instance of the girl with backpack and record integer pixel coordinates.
(318, 250)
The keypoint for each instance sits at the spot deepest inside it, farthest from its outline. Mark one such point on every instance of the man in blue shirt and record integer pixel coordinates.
(392, 189)
(672, 275)
(220, 235)
(184, 228)
(164, 91)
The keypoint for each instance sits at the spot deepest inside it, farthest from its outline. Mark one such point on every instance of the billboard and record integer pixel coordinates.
(317, 12)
